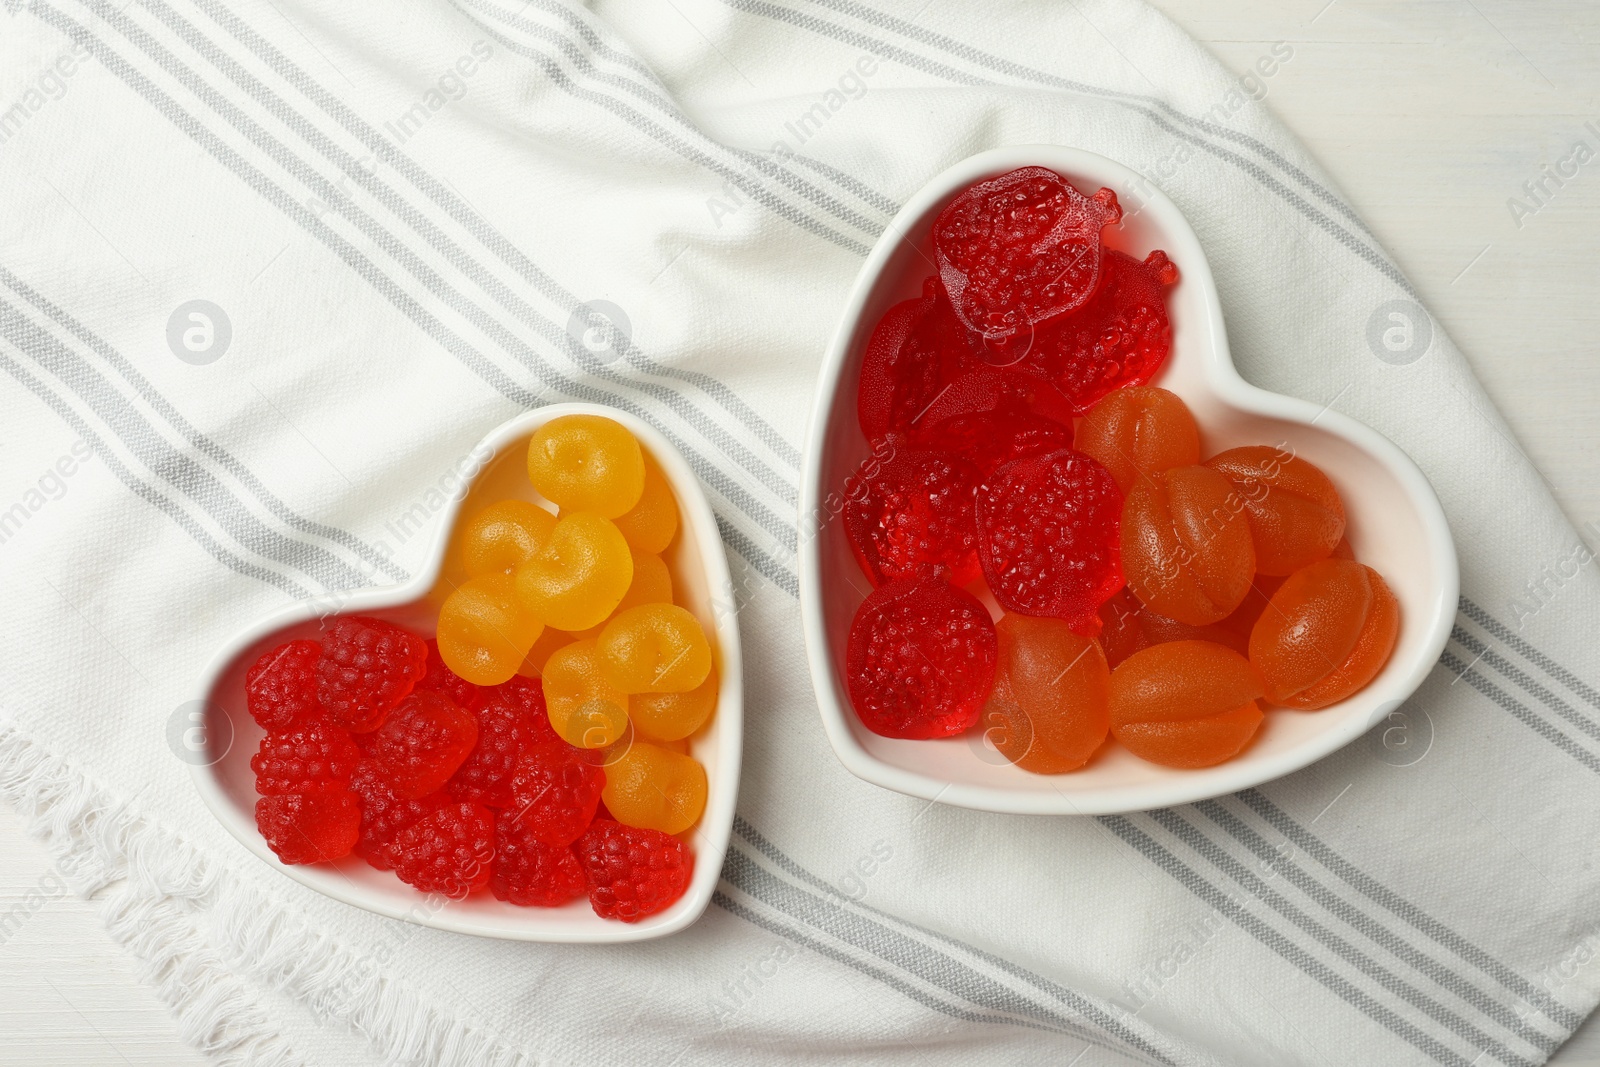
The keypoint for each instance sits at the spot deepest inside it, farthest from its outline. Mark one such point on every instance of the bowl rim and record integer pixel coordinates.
(1220, 374)
(715, 828)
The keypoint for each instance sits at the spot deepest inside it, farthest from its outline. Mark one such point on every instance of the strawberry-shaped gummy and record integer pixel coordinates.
(450, 851)
(367, 667)
(280, 688)
(920, 659)
(1020, 248)
(316, 757)
(1120, 337)
(422, 743)
(384, 813)
(530, 873)
(439, 678)
(912, 515)
(554, 792)
(309, 828)
(1047, 536)
(632, 873)
(485, 776)
(916, 349)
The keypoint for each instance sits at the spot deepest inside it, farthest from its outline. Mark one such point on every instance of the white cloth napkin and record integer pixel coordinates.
(270, 269)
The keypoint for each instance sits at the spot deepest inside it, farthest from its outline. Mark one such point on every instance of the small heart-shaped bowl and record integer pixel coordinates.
(1395, 523)
(496, 469)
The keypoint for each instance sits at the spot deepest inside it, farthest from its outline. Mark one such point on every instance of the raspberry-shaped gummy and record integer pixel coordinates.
(367, 667)
(280, 688)
(310, 828)
(1047, 536)
(527, 696)
(449, 851)
(384, 813)
(485, 776)
(530, 873)
(423, 742)
(632, 873)
(439, 678)
(916, 349)
(554, 792)
(920, 659)
(912, 515)
(313, 758)
(1020, 248)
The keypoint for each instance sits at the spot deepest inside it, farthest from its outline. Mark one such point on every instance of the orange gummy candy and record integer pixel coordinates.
(655, 788)
(1137, 431)
(580, 575)
(663, 717)
(587, 463)
(1296, 516)
(1325, 633)
(654, 648)
(1128, 627)
(484, 630)
(1185, 703)
(1186, 547)
(501, 537)
(651, 524)
(1047, 712)
(652, 584)
(585, 710)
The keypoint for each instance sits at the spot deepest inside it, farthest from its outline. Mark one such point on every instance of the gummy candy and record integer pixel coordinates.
(652, 584)
(655, 788)
(580, 575)
(441, 679)
(313, 757)
(651, 524)
(1138, 431)
(584, 708)
(309, 828)
(913, 515)
(448, 851)
(554, 792)
(1325, 633)
(1129, 627)
(498, 538)
(1047, 713)
(367, 667)
(916, 349)
(990, 439)
(1185, 703)
(528, 872)
(485, 630)
(632, 873)
(653, 648)
(920, 659)
(526, 695)
(384, 813)
(661, 717)
(484, 777)
(280, 688)
(1186, 545)
(423, 742)
(1296, 516)
(587, 463)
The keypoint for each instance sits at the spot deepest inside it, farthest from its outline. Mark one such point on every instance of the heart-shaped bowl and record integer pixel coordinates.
(1395, 523)
(494, 470)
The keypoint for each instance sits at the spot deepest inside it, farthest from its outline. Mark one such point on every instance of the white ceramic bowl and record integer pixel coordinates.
(227, 784)
(1395, 522)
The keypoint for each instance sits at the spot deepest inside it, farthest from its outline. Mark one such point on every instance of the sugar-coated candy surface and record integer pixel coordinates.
(485, 629)
(1185, 703)
(1048, 710)
(1296, 516)
(585, 709)
(587, 463)
(530, 873)
(1047, 536)
(280, 688)
(632, 873)
(309, 757)
(581, 574)
(1020, 248)
(654, 648)
(384, 813)
(912, 514)
(555, 791)
(484, 777)
(448, 851)
(651, 524)
(499, 538)
(1186, 545)
(916, 349)
(920, 659)
(1139, 431)
(653, 787)
(367, 667)
(1325, 633)
(661, 717)
(309, 828)
(422, 743)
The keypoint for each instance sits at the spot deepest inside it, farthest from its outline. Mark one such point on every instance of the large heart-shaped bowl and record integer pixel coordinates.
(1395, 522)
(497, 471)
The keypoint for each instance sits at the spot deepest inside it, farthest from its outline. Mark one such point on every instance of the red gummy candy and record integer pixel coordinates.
(449, 851)
(310, 828)
(528, 872)
(631, 872)
(441, 679)
(280, 688)
(916, 349)
(920, 660)
(913, 516)
(1048, 536)
(367, 667)
(384, 813)
(555, 792)
(526, 695)
(994, 416)
(422, 743)
(316, 757)
(1120, 337)
(485, 776)
(1018, 249)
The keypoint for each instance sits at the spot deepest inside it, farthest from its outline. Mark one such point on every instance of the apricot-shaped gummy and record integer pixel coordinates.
(1185, 703)
(585, 709)
(655, 788)
(912, 515)
(501, 537)
(1129, 627)
(1325, 633)
(1186, 545)
(549, 642)
(580, 575)
(1138, 431)
(1047, 713)
(651, 524)
(654, 648)
(668, 717)
(485, 630)
(587, 463)
(652, 584)
(1296, 516)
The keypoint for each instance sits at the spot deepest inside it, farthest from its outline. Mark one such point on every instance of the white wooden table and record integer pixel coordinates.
(1430, 114)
